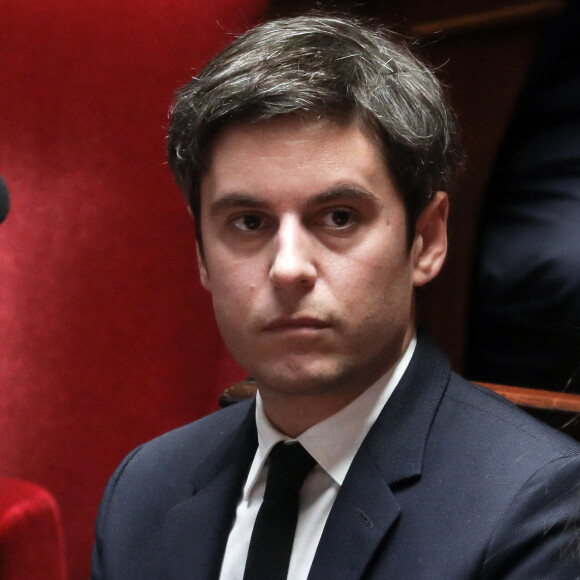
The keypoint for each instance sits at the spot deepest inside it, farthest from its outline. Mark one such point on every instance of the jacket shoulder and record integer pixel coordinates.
(494, 418)
(156, 477)
(185, 447)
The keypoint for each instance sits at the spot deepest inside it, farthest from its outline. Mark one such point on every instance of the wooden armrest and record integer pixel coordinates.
(530, 398)
(537, 398)
(238, 392)
(560, 410)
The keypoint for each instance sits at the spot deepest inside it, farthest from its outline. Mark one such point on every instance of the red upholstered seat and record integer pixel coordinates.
(31, 537)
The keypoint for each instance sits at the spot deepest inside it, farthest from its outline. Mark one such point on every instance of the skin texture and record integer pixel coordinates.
(306, 258)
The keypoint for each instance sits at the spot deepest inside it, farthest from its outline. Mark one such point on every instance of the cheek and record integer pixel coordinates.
(231, 313)
(234, 290)
(232, 294)
(377, 286)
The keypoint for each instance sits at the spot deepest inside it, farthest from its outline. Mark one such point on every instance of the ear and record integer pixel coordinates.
(430, 244)
(203, 273)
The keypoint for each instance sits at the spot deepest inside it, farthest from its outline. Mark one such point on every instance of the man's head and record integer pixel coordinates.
(325, 67)
(313, 152)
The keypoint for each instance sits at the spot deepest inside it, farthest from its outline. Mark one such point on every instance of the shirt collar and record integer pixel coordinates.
(333, 442)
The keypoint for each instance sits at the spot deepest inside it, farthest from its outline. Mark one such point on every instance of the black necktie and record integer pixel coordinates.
(273, 533)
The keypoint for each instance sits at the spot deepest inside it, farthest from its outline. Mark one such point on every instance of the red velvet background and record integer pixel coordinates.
(107, 337)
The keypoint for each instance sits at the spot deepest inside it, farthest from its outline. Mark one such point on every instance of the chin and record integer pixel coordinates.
(302, 379)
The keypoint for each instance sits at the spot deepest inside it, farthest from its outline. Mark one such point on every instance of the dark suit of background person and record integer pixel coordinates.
(443, 488)
(525, 325)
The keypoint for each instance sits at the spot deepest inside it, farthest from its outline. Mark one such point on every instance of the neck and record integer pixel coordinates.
(293, 407)
(292, 415)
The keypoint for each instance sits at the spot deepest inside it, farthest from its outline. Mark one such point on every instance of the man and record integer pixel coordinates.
(314, 153)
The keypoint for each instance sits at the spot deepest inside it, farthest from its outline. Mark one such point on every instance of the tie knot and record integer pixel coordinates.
(289, 466)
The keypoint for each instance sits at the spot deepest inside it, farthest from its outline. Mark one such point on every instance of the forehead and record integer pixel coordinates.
(294, 154)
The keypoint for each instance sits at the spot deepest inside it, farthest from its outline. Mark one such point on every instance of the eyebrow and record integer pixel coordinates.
(230, 200)
(337, 193)
(341, 192)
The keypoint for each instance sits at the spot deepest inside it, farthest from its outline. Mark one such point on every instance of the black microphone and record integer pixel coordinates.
(4, 200)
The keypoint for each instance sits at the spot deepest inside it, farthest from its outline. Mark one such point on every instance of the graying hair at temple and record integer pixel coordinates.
(321, 66)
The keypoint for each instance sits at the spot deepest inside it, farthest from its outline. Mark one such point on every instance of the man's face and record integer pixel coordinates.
(306, 256)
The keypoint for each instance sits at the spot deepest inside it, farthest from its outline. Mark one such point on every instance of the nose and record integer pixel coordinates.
(292, 263)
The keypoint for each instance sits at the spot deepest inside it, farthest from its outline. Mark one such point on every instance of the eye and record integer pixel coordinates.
(248, 222)
(252, 222)
(339, 219)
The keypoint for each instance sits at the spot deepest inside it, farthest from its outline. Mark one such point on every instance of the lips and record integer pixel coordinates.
(296, 323)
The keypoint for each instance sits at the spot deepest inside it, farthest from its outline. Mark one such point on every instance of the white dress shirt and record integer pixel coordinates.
(333, 443)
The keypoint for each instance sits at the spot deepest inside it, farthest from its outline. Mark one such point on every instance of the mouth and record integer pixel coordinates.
(296, 324)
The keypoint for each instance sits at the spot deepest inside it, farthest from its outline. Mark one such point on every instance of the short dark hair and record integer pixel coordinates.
(326, 66)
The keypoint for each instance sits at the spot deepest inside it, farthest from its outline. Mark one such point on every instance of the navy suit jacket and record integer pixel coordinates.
(451, 483)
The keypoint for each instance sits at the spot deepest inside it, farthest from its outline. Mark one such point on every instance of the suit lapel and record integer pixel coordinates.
(356, 525)
(392, 454)
(196, 530)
